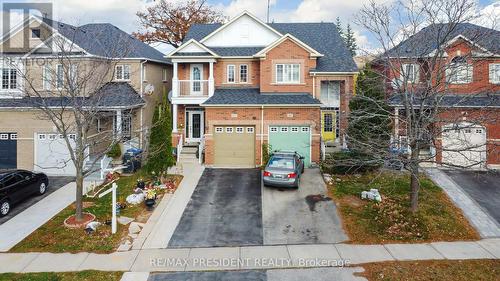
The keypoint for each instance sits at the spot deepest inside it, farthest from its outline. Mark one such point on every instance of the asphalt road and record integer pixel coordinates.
(482, 187)
(54, 184)
(225, 210)
(303, 216)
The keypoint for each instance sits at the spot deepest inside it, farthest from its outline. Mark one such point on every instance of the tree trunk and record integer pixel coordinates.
(79, 196)
(414, 181)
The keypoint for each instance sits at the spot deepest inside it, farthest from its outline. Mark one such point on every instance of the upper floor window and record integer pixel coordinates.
(243, 73)
(164, 74)
(459, 71)
(287, 73)
(47, 77)
(35, 33)
(409, 73)
(59, 76)
(9, 78)
(494, 73)
(122, 72)
(330, 93)
(231, 73)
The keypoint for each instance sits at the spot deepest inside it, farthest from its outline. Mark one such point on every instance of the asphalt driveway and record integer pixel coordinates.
(225, 210)
(54, 184)
(482, 187)
(303, 216)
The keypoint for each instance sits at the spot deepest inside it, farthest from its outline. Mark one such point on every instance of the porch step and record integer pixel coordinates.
(188, 156)
(189, 150)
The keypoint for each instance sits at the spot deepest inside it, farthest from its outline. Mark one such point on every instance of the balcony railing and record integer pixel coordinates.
(193, 88)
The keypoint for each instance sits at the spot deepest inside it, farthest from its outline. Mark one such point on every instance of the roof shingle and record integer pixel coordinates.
(253, 96)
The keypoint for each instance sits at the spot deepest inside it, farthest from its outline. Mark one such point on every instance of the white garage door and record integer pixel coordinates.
(52, 155)
(465, 146)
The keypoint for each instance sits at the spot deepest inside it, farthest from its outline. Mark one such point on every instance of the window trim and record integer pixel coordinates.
(492, 74)
(273, 129)
(59, 80)
(123, 67)
(229, 130)
(250, 130)
(246, 74)
(39, 33)
(234, 73)
(284, 130)
(454, 68)
(404, 75)
(219, 130)
(287, 75)
(240, 129)
(47, 77)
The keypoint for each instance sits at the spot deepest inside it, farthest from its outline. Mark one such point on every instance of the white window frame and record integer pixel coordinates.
(229, 130)
(59, 76)
(122, 72)
(13, 136)
(4, 136)
(164, 75)
(479, 131)
(219, 129)
(455, 73)
(240, 130)
(287, 72)
(34, 37)
(10, 85)
(47, 76)
(304, 129)
(274, 129)
(283, 129)
(415, 72)
(494, 73)
(233, 72)
(245, 80)
(42, 136)
(294, 129)
(250, 130)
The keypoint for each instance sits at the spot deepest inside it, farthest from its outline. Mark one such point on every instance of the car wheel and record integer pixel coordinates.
(42, 188)
(303, 169)
(4, 208)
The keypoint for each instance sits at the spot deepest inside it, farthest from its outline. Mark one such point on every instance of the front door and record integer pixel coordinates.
(196, 77)
(328, 125)
(194, 126)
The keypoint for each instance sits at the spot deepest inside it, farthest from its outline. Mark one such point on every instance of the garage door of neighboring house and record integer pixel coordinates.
(234, 146)
(465, 146)
(8, 150)
(292, 138)
(52, 155)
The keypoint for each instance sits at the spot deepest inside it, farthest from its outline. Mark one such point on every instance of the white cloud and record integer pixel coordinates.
(489, 16)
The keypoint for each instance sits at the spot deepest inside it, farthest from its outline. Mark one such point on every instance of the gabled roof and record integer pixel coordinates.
(253, 96)
(204, 50)
(429, 38)
(285, 37)
(105, 40)
(322, 37)
(483, 100)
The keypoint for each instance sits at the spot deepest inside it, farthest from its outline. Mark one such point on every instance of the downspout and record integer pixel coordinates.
(261, 132)
(141, 92)
(314, 85)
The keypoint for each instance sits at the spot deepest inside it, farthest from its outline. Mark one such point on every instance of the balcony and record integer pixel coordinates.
(193, 88)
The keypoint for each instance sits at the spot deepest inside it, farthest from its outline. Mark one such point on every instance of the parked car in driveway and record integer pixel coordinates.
(284, 169)
(17, 185)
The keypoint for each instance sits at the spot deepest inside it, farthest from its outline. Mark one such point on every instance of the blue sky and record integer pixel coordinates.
(122, 12)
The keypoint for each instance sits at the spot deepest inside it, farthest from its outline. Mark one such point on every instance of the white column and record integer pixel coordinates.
(118, 124)
(175, 82)
(211, 88)
(174, 118)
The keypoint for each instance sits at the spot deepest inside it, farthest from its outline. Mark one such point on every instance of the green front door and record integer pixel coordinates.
(292, 138)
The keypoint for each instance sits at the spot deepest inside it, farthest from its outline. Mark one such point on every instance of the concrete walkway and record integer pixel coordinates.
(164, 220)
(485, 225)
(19, 227)
(248, 258)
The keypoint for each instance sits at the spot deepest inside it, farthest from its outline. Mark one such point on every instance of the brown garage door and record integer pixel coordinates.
(234, 146)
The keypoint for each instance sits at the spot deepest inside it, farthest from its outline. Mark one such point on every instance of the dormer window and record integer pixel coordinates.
(35, 33)
(459, 71)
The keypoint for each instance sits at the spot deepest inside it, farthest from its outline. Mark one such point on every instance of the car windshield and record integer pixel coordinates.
(281, 162)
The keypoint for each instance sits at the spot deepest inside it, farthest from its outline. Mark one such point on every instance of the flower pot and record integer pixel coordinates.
(150, 203)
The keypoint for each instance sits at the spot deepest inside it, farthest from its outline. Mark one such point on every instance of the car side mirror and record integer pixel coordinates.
(27, 178)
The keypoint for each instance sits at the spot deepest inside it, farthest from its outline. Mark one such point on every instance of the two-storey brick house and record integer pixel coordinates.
(138, 76)
(246, 83)
(469, 90)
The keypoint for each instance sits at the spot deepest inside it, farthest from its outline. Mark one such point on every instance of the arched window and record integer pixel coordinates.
(459, 71)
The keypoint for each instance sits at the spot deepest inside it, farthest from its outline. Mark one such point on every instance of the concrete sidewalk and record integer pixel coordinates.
(19, 227)
(485, 225)
(248, 258)
(163, 222)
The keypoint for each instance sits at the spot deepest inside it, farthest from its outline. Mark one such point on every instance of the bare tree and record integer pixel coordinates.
(72, 95)
(417, 70)
(168, 22)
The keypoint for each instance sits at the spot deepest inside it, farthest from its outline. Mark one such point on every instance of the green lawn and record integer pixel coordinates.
(89, 275)
(391, 221)
(443, 270)
(55, 237)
